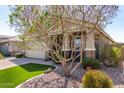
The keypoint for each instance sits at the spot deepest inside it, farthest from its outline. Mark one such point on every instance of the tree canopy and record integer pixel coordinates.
(42, 23)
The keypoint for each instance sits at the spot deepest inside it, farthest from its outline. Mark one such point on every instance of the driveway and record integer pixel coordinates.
(12, 61)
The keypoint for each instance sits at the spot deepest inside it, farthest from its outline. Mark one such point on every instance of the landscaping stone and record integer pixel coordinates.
(48, 70)
(56, 79)
(51, 80)
(115, 74)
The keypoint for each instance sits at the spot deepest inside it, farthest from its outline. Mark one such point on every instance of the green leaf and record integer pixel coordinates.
(46, 13)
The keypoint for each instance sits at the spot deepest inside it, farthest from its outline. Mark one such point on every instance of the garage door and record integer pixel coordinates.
(35, 54)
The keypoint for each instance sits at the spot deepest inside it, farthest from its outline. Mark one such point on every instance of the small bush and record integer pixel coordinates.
(19, 55)
(90, 62)
(2, 53)
(111, 55)
(1, 56)
(96, 79)
(110, 62)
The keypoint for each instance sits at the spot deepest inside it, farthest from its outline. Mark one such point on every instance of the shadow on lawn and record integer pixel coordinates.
(26, 64)
(31, 67)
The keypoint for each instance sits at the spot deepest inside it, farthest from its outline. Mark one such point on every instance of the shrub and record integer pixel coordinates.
(2, 53)
(1, 56)
(19, 55)
(96, 79)
(90, 62)
(111, 56)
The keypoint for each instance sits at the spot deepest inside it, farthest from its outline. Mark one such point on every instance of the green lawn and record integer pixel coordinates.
(14, 76)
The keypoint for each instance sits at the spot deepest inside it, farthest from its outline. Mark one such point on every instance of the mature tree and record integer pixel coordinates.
(52, 25)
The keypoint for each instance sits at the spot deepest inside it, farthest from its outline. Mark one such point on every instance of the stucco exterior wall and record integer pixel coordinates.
(13, 47)
(103, 41)
(37, 50)
(35, 54)
(90, 45)
(90, 42)
(88, 48)
(66, 43)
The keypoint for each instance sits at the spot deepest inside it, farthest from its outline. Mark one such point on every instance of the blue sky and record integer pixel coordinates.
(5, 29)
(115, 30)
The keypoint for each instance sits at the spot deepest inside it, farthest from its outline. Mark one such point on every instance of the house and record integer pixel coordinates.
(95, 42)
(8, 45)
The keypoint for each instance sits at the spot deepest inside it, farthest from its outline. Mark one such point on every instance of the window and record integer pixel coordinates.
(77, 43)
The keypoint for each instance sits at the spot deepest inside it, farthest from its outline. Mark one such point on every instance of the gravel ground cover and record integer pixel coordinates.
(56, 79)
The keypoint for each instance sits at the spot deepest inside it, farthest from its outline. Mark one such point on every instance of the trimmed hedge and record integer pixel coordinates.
(90, 62)
(96, 79)
(19, 55)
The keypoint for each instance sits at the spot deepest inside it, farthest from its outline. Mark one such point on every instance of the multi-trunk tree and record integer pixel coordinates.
(52, 25)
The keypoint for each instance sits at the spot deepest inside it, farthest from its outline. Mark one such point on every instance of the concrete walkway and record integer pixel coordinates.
(12, 61)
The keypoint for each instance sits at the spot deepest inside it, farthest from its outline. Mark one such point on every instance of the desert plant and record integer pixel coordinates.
(1, 56)
(96, 79)
(90, 62)
(19, 55)
(111, 55)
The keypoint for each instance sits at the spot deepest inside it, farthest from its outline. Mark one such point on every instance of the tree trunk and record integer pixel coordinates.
(66, 70)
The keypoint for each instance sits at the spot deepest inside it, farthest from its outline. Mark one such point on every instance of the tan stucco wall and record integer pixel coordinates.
(37, 50)
(90, 42)
(103, 41)
(13, 47)
(35, 54)
(36, 46)
(66, 43)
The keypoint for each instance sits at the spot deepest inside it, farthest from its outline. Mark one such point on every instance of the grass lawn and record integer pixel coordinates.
(12, 77)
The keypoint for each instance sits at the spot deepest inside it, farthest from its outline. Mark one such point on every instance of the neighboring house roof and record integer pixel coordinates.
(11, 39)
(4, 37)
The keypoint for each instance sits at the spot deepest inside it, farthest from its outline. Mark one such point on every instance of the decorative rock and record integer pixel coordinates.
(122, 77)
(48, 70)
(56, 79)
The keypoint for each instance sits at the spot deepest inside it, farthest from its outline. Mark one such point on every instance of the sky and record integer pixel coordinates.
(115, 30)
(5, 29)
